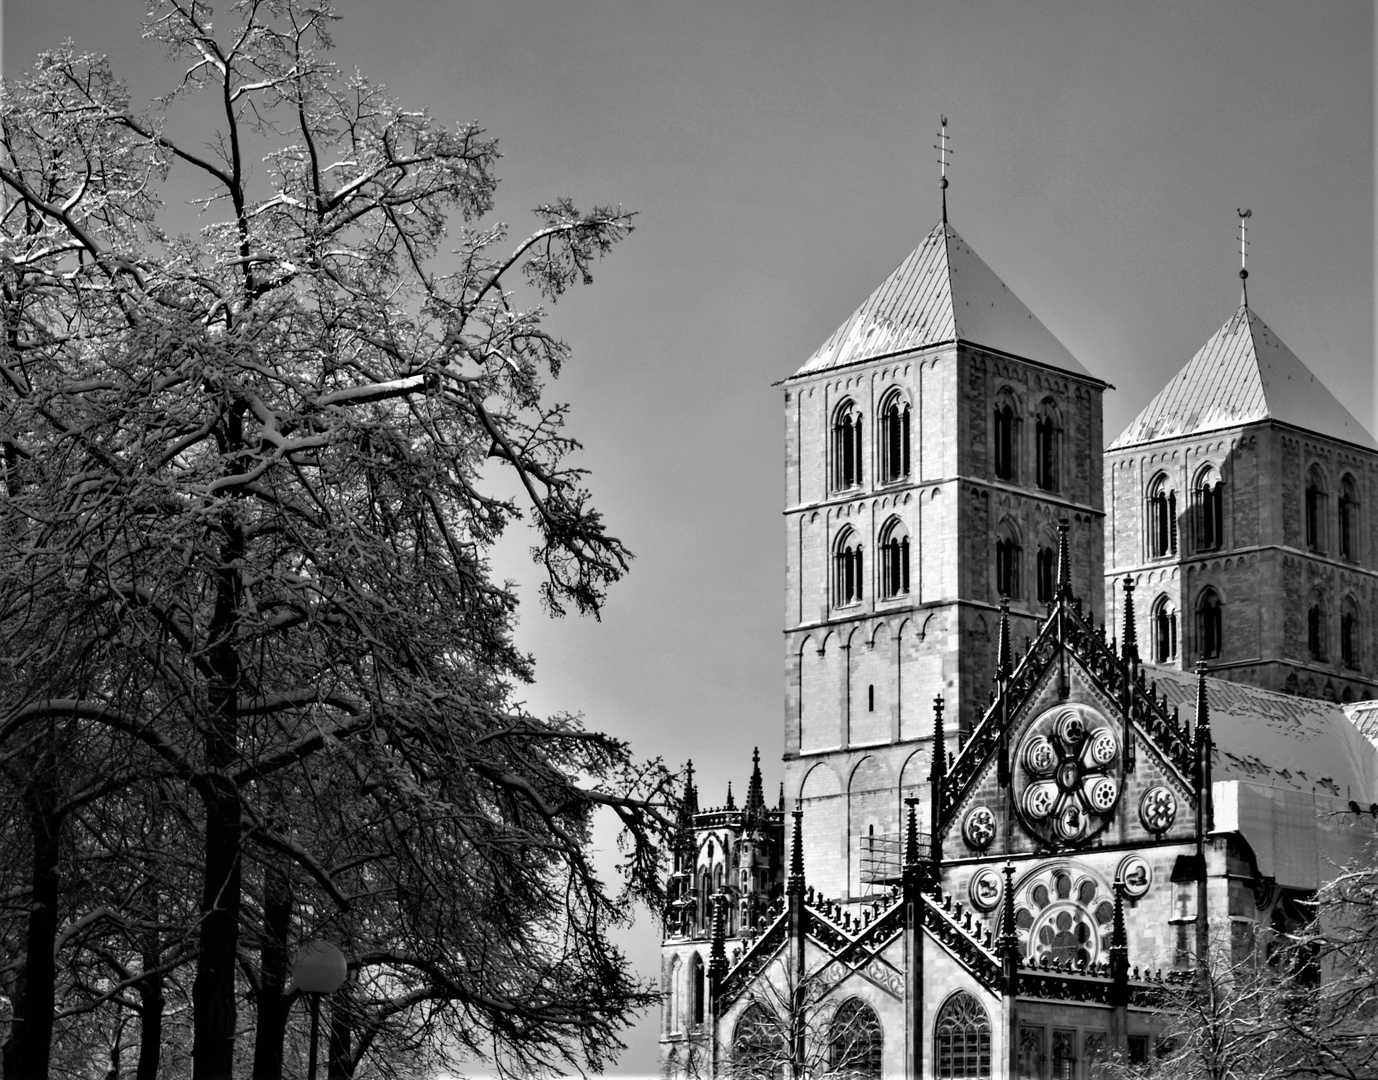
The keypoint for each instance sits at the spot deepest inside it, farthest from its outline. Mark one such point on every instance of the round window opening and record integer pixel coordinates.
(1064, 934)
(1069, 774)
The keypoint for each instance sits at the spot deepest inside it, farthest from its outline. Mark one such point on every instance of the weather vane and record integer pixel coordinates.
(1244, 216)
(944, 152)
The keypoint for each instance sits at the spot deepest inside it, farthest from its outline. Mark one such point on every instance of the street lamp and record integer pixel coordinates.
(318, 968)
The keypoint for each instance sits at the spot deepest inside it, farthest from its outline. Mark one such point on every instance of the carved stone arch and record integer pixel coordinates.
(821, 781)
(822, 799)
(872, 769)
(914, 782)
(962, 1038)
(674, 997)
(878, 628)
(870, 814)
(855, 1041)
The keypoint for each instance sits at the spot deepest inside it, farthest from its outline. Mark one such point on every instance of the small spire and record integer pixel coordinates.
(911, 834)
(782, 797)
(1119, 940)
(731, 802)
(717, 949)
(691, 793)
(1203, 713)
(795, 885)
(944, 152)
(1206, 797)
(1130, 649)
(938, 766)
(755, 794)
(1009, 935)
(1064, 561)
(1002, 651)
(1244, 216)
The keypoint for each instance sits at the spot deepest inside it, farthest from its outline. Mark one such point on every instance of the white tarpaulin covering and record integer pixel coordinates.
(1285, 769)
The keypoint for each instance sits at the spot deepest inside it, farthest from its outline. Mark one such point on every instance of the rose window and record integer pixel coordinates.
(1064, 914)
(1065, 935)
(1069, 776)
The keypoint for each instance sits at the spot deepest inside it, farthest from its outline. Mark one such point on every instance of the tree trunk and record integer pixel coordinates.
(341, 1035)
(150, 1007)
(31, 1029)
(274, 967)
(212, 992)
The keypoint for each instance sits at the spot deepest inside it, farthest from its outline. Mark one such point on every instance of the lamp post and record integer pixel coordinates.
(318, 969)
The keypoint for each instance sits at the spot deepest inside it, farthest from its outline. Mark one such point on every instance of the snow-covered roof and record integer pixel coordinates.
(1277, 740)
(941, 292)
(1243, 374)
(1364, 716)
(1284, 771)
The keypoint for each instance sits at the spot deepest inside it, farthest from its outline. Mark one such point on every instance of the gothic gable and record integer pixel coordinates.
(1077, 750)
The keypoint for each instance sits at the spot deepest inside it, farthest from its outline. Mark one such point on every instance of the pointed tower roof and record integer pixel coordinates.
(755, 791)
(942, 292)
(1243, 374)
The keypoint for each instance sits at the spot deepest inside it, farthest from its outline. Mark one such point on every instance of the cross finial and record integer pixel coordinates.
(1244, 216)
(944, 152)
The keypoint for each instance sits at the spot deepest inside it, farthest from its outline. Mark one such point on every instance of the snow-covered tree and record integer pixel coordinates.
(257, 677)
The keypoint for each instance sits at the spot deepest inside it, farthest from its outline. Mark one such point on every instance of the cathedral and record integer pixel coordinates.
(1060, 717)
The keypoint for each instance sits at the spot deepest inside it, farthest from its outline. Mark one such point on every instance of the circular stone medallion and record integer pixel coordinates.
(1069, 779)
(979, 827)
(985, 889)
(1136, 874)
(1157, 809)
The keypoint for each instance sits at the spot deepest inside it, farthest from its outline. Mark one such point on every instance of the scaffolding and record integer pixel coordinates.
(881, 858)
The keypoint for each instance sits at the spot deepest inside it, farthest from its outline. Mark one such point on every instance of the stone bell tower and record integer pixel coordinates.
(932, 444)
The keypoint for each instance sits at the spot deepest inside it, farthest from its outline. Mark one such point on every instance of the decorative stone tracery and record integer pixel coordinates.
(1069, 775)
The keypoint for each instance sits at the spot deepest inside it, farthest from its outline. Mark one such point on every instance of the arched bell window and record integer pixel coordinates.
(1316, 499)
(894, 436)
(1208, 626)
(848, 569)
(1209, 510)
(847, 446)
(1047, 571)
(1317, 620)
(1162, 518)
(894, 559)
(1005, 435)
(961, 1039)
(1048, 447)
(1349, 518)
(1349, 633)
(854, 1041)
(1164, 619)
(1008, 555)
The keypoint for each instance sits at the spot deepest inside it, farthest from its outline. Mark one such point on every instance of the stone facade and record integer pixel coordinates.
(1005, 829)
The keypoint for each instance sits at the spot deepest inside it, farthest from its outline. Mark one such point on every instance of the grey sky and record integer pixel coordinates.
(780, 156)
